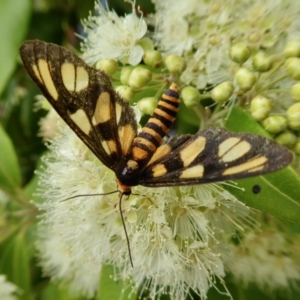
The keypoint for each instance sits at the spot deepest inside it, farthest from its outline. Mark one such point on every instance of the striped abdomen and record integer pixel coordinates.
(147, 141)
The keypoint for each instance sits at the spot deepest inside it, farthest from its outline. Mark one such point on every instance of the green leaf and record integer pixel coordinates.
(110, 289)
(14, 263)
(58, 292)
(14, 20)
(241, 121)
(10, 174)
(276, 193)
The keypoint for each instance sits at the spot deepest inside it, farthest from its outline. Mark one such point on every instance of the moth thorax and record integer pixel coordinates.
(133, 165)
(128, 173)
(130, 168)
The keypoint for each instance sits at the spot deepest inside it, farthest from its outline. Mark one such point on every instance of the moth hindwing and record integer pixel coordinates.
(85, 99)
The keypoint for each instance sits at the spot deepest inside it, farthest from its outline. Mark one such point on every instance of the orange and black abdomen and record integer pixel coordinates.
(150, 137)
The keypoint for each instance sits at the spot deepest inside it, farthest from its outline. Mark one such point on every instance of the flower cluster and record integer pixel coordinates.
(177, 235)
(180, 238)
(8, 291)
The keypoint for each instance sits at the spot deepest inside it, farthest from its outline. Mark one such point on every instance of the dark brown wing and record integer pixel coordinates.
(84, 98)
(213, 155)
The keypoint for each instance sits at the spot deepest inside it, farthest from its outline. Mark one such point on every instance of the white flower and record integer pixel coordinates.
(112, 37)
(267, 259)
(7, 289)
(204, 31)
(175, 237)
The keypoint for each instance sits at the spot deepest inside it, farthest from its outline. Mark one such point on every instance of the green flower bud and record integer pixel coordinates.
(152, 58)
(292, 49)
(239, 53)
(131, 216)
(125, 73)
(260, 107)
(109, 66)
(268, 40)
(295, 92)
(292, 66)
(262, 62)
(174, 63)
(147, 105)
(146, 43)
(125, 92)
(139, 77)
(275, 124)
(293, 116)
(245, 79)
(190, 96)
(296, 147)
(222, 92)
(254, 37)
(286, 138)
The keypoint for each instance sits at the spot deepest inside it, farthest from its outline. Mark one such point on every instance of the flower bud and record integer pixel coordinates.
(254, 37)
(147, 105)
(260, 107)
(296, 147)
(152, 58)
(239, 53)
(109, 66)
(131, 216)
(262, 62)
(222, 92)
(268, 40)
(295, 92)
(275, 124)
(292, 49)
(139, 77)
(146, 43)
(125, 92)
(174, 63)
(125, 73)
(190, 96)
(292, 66)
(245, 79)
(293, 116)
(286, 138)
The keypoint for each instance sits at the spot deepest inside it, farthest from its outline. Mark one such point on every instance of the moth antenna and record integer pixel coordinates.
(125, 230)
(86, 195)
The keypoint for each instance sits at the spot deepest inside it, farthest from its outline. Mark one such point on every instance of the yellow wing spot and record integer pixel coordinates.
(37, 73)
(68, 76)
(193, 172)
(190, 152)
(159, 170)
(160, 152)
(232, 149)
(227, 144)
(109, 146)
(118, 112)
(254, 165)
(126, 134)
(102, 109)
(47, 79)
(82, 79)
(81, 120)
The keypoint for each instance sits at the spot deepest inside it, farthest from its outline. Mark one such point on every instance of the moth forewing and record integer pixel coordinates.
(215, 155)
(85, 99)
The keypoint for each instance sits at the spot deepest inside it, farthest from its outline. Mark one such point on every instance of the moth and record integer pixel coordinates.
(86, 101)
